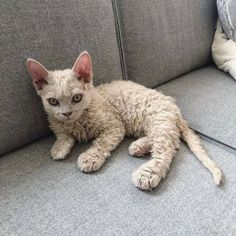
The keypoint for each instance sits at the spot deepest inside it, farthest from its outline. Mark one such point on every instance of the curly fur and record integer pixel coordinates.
(110, 112)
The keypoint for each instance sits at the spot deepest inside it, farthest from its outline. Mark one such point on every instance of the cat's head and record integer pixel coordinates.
(65, 93)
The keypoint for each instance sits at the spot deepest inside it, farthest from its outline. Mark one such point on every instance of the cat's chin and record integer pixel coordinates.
(69, 121)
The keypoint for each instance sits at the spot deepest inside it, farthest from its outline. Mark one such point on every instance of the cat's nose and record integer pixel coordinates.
(67, 114)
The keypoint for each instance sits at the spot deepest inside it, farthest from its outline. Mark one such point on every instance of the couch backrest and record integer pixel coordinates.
(53, 32)
(163, 39)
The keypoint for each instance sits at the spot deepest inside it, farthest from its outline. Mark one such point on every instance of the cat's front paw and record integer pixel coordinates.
(58, 152)
(90, 161)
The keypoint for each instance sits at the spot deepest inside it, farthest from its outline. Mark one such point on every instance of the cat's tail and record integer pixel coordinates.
(195, 145)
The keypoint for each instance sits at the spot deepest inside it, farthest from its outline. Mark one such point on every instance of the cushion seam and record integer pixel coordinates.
(25, 144)
(213, 139)
(119, 39)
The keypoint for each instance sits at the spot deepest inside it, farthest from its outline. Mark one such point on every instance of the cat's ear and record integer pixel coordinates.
(83, 68)
(38, 73)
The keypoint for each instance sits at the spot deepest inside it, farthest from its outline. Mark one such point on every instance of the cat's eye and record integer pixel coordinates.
(77, 98)
(53, 101)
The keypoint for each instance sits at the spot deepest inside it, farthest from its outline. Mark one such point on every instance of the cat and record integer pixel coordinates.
(107, 113)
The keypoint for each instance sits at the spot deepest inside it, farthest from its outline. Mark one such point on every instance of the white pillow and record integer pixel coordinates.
(224, 52)
(227, 15)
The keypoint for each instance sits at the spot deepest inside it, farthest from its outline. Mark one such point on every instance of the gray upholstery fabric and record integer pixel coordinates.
(164, 39)
(40, 196)
(227, 15)
(53, 32)
(207, 99)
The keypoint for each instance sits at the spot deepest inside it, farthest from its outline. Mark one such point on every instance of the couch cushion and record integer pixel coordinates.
(40, 196)
(164, 39)
(207, 99)
(53, 32)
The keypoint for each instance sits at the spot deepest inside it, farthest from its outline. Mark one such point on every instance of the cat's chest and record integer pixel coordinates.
(82, 132)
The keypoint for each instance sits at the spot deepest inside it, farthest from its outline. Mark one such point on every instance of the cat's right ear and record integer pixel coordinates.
(83, 68)
(38, 73)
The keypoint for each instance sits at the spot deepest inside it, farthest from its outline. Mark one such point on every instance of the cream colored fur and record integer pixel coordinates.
(224, 52)
(111, 111)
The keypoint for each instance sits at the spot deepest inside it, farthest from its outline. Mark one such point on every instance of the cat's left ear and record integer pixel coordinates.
(83, 68)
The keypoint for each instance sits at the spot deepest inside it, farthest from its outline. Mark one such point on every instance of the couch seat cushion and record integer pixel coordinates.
(40, 196)
(207, 98)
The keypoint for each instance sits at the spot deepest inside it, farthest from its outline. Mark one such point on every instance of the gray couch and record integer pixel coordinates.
(163, 44)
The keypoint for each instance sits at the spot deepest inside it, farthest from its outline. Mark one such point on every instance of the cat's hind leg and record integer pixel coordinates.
(165, 137)
(140, 147)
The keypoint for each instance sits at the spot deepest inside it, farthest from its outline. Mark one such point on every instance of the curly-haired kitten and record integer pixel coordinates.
(109, 112)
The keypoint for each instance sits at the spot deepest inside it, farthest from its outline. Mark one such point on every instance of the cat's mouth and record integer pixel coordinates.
(69, 120)
(63, 119)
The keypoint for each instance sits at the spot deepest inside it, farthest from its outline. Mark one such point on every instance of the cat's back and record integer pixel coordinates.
(121, 88)
(133, 103)
(128, 90)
